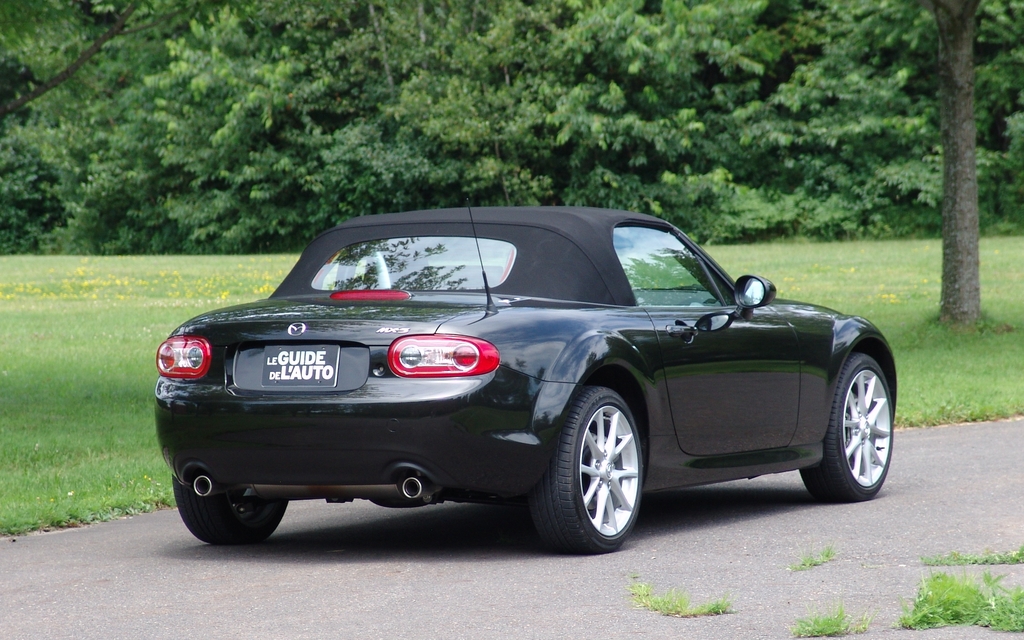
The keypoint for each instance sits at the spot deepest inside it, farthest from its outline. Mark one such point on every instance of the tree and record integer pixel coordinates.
(20, 18)
(961, 287)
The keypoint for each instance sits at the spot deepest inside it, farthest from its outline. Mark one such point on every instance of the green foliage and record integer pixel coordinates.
(955, 558)
(810, 560)
(674, 603)
(832, 624)
(946, 600)
(29, 205)
(251, 126)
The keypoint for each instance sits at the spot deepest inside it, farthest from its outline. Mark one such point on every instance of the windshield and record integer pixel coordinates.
(428, 263)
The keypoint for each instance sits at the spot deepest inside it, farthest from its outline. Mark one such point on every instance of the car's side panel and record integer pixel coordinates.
(814, 328)
(732, 390)
(574, 346)
(826, 340)
(675, 469)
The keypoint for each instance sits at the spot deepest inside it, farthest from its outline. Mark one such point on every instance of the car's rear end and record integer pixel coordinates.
(345, 399)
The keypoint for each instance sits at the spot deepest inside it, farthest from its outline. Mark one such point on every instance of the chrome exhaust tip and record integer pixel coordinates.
(412, 488)
(203, 486)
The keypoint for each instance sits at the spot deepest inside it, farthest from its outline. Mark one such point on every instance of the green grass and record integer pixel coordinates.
(831, 624)
(810, 559)
(78, 338)
(945, 600)
(957, 559)
(674, 603)
(945, 375)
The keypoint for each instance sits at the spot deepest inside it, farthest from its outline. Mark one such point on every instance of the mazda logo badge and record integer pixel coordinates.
(297, 329)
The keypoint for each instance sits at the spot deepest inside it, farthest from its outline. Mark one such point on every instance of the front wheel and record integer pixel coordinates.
(226, 518)
(858, 442)
(588, 499)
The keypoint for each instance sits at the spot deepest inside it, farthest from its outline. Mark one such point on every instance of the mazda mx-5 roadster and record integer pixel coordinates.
(567, 359)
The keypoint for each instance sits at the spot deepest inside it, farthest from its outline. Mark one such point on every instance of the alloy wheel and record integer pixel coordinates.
(609, 471)
(867, 427)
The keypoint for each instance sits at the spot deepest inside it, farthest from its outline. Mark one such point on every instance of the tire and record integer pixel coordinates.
(588, 500)
(216, 519)
(857, 447)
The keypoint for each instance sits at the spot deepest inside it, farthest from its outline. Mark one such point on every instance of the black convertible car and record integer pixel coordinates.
(567, 358)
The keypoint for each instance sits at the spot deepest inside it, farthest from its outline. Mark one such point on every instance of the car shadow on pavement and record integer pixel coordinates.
(717, 505)
(451, 531)
(471, 532)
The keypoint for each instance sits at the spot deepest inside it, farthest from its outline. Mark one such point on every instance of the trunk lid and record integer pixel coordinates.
(313, 344)
(366, 323)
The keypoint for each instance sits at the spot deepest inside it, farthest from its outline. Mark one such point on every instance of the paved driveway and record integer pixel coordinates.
(469, 571)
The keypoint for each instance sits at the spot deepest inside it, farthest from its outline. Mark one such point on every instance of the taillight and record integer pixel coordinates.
(370, 295)
(442, 356)
(184, 357)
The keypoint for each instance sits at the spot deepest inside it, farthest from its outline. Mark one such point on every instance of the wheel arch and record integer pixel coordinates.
(617, 378)
(880, 352)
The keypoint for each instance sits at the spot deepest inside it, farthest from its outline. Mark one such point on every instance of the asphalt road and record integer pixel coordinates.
(468, 571)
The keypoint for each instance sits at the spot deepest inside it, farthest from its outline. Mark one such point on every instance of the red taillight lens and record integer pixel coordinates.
(442, 356)
(370, 295)
(184, 357)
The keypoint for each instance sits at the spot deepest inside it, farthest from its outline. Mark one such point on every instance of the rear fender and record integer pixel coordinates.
(595, 349)
(573, 366)
(576, 364)
(593, 353)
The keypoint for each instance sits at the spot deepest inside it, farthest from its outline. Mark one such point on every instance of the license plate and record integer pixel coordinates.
(310, 366)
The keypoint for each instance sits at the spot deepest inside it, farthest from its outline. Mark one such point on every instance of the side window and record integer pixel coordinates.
(661, 270)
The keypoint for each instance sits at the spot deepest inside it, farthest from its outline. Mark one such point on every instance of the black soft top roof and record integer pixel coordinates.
(565, 253)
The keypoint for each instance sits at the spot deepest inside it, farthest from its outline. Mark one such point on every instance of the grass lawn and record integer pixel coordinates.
(78, 337)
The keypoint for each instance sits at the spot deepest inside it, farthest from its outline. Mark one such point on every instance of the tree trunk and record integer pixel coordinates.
(961, 287)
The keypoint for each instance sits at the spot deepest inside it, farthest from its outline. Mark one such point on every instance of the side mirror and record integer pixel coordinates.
(715, 321)
(753, 292)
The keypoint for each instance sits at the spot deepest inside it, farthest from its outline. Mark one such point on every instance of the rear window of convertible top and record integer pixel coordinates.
(427, 263)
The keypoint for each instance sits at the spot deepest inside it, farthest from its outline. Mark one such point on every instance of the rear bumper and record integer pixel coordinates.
(475, 434)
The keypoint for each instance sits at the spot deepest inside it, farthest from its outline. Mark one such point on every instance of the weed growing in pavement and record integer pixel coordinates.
(957, 559)
(831, 624)
(675, 603)
(945, 600)
(810, 559)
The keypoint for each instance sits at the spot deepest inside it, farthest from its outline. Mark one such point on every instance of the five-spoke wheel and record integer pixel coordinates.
(588, 500)
(858, 442)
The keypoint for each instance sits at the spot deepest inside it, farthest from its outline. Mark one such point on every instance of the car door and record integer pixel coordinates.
(733, 390)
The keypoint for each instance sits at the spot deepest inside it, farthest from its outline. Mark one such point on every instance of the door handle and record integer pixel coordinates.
(681, 330)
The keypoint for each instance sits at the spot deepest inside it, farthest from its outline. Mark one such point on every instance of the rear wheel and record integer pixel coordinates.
(588, 500)
(858, 443)
(227, 518)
